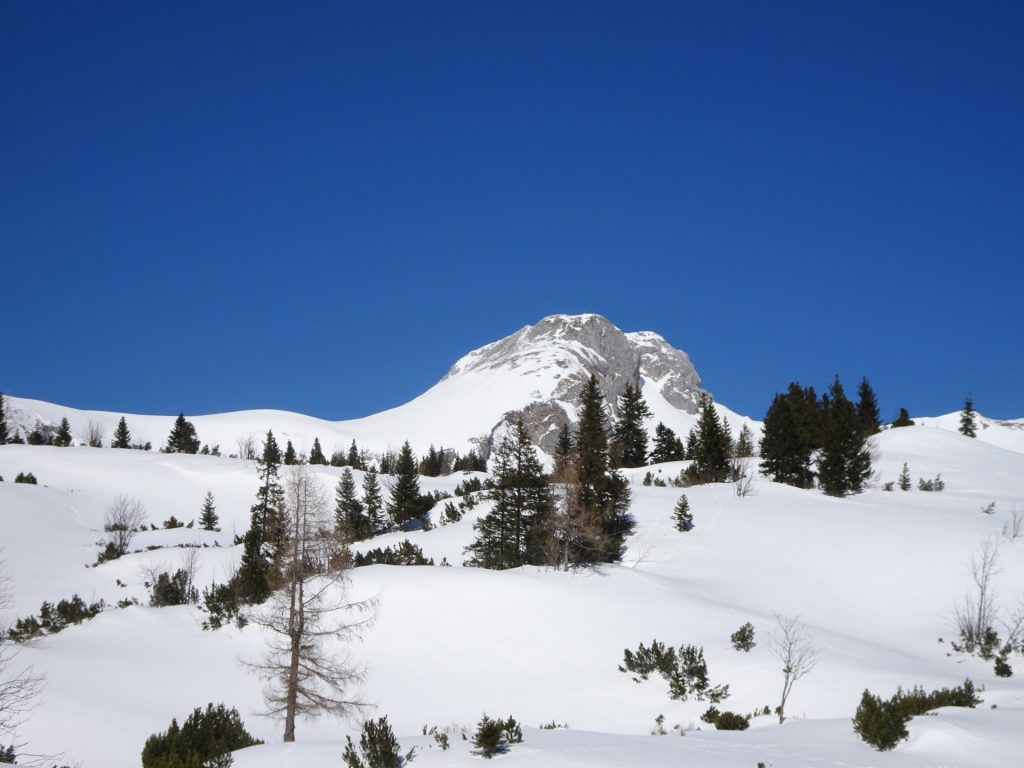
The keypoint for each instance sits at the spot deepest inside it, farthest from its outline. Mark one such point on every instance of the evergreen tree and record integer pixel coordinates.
(405, 504)
(350, 519)
(867, 409)
(903, 420)
(745, 444)
(667, 446)
(433, 463)
(790, 437)
(354, 460)
(3, 420)
(844, 463)
(563, 449)
(208, 519)
(183, 437)
(710, 446)
(316, 454)
(373, 502)
(40, 435)
(290, 458)
(63, 437)
(968, 422)
(508, 536)
(904, 479)
(257, 572)
(681, 516)
(122, 437)
(629, 438)
(603, 495)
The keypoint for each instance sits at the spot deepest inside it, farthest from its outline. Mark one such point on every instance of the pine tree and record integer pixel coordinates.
(350, 519)
(629, 438)
(904, 479)
(405, 504)
(790, 437)
(265, 537)
(745, 444)
(63, 437)
(354, 460)
(563, 448)
(183, 437)
(667, 445)
(681, 516)
(508, 536)
(868, 417)
(604, 495)
(122, 437)
(968, 422)
(903, 420)
(208, 519)
(373, 502)
(316, 454)
(710, 446)
(844, 463)
(3, 420)
(290, 458)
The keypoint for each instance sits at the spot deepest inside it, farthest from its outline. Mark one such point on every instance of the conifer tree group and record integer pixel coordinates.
(63, 437)
(316, 454)
(667, 446)
(709, 446)
(183, 437)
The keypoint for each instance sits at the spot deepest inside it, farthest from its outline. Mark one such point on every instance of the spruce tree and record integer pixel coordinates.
(208, 519)
(903, 419)
(354, 460)
(745, 444)
(257, 572)
(710, 446)
(629, 438)
(316, 454)
(968, 422)
(563, 449)
(682, 518)
(790, 436)
(3, 420)
(405, 504)
(904, 479)
(290, 457)
(183, 437)
(509, 536)
(373, 502)
(350, 519)
(867, 409)
(844, 463)
(63, 437)
(122, 437)
(667, 445)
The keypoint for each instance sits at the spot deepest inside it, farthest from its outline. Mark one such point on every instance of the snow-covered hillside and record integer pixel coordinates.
(874, 577)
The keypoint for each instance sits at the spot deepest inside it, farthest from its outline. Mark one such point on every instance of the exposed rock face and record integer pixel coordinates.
(566, 350)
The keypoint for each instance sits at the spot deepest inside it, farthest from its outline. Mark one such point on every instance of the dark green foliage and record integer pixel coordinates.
(406, 505)
(508, 537)
(208, 519)
(172, 589)
(172, 522)
(563, 449)
(685, 670)
(4, 437)
(903, 481)
(350, 519)
(903, 419)
(868, 416)
(844, 463)
(682, 518)
(968, 420)
(646, 661)
(63, 437)
(667, 446)
(629, 438)
(1002, 668)
(436, 462)
(354, 459)
(203, 737)
(725, 721)
(744, 444)
(122, 437)
(378, 747)
(7, 755)
(26, 477)
(257, 571)
(41, 434)
(937, 484)
(183, 437)
(373, 503)
(790, 437)
(471, 462)
(709, 446)
(316, 454)
(290, 457)
(54, 618)
(223, 603)
(451, 513)
(405, 553)
(883, 724)
(493, 736)
(743, 638)
(469, 485)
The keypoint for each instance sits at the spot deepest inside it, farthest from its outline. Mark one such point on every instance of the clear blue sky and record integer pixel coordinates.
(319, 207)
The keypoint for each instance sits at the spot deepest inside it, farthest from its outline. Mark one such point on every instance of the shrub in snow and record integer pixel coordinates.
(725, 721)
(883, 724)
(681, 516)
(1003, 669)
(204, 739)
(931, 485)
(172, 589)
(26, 477)
(685, 670)
(743, 638)
(53, 618)
(493, 737)
(405, 553)
(378, 747)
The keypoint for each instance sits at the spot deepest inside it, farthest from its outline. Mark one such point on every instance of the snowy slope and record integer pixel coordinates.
(874, 577)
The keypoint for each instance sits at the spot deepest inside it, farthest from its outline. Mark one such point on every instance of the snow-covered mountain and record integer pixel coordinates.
(538, 372)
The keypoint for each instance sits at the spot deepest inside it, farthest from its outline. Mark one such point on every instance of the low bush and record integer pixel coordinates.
(405, 553)
(205, 738)
(54, 618)
(494, 737)
(378, 747)
(743, 638)
(685, 670)
(26, 477)
(883, 724)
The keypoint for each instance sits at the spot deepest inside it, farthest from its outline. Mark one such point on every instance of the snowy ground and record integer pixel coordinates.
(874, 577)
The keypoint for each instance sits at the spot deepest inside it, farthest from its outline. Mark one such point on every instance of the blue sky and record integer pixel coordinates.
(217, 206)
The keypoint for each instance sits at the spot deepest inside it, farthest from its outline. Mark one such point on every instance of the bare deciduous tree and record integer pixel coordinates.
(246, 446)
(310, 613)
(1013, 528)
(121, 522)
(19, 687)
(975, 615)
(793, 645)
(94, 434)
